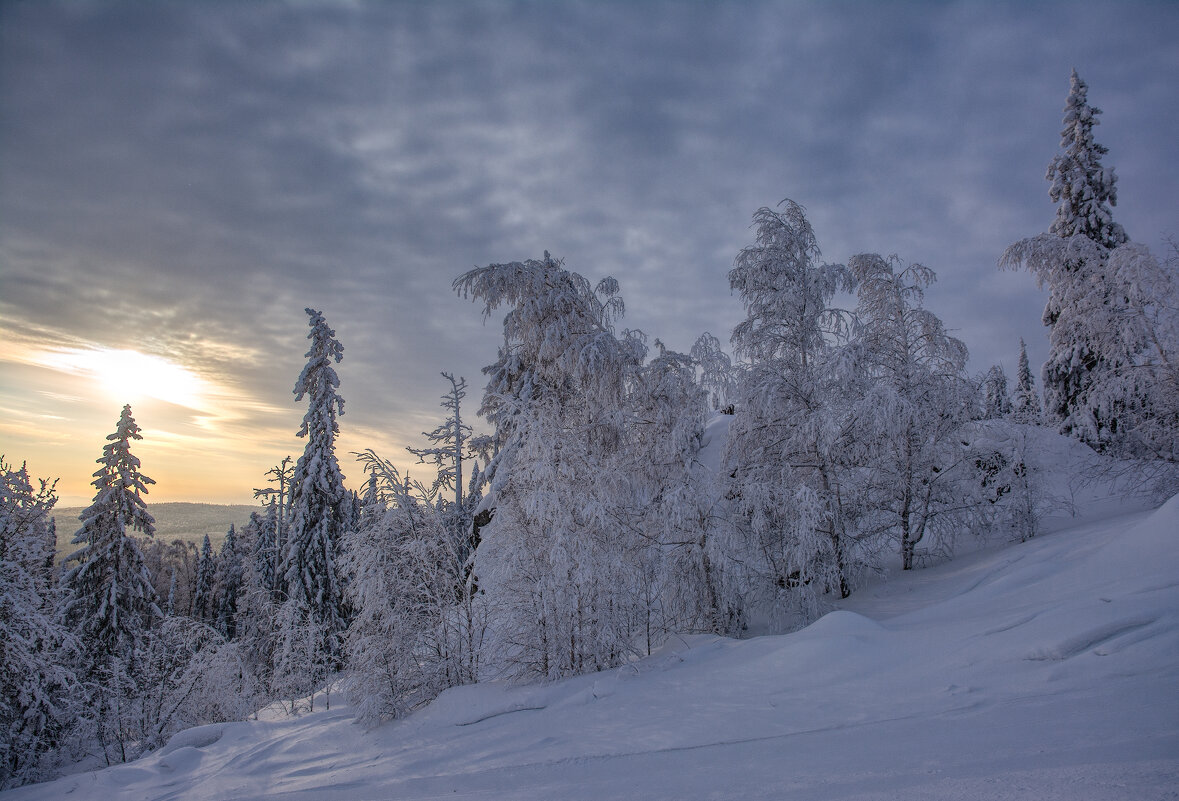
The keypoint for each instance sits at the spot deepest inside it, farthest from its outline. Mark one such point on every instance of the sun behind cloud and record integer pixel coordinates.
(128, 376)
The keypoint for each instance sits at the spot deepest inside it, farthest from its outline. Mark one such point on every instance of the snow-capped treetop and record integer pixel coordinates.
(319, 379)
(119, 482)
(317, 469)
(202, 596)
(901, 339)
(786, 290)
(1083, 188)
(559, 341)
(558, 320)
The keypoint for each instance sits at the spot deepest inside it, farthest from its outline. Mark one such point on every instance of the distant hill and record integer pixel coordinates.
(185, 521)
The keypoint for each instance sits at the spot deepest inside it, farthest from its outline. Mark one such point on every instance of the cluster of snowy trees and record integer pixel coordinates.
(99, 660)
(91, 664)
(625, 493)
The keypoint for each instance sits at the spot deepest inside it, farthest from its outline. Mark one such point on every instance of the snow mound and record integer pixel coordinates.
(842, 623)
(196, 737)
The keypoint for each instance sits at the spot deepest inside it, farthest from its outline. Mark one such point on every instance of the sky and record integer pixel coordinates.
(179, 181)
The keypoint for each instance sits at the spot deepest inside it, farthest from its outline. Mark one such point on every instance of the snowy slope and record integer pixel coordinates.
(1047, 670)
(1074, 482)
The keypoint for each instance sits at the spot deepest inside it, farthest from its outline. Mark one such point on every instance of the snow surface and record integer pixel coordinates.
(1046, 670)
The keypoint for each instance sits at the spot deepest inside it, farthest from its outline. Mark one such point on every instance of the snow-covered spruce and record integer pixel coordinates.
(1081, 186)
(230, 573)
(110, 600)
(202, 596)
(314, 617)
(1093, 382)
(1025, 402)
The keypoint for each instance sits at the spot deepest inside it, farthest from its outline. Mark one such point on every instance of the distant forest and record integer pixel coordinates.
(184, 521)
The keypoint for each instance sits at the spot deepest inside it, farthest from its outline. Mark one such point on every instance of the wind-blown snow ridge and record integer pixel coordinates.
(1048, 670)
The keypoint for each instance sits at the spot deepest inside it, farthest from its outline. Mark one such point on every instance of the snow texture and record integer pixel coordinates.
(1048, 669)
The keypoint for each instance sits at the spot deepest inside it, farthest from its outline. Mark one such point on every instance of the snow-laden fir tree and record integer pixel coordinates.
(264, 552)
(919, 476)
(1025, 405)
(110, 600)
(37, 680)
(203, 600)
(554, 562)
(229, 584)
(1121, 325)
(1084, 300)
(310, 578)
(1081, 186)
(785, 461)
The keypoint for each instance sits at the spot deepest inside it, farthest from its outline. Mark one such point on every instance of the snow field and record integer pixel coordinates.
(1046, 670)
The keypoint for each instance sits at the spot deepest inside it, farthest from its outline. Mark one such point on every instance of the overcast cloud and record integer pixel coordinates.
(184, 178)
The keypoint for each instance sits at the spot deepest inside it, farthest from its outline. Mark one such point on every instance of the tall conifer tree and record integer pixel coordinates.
(229, 584)
(309, 574)
(111, 600)
(202, 596)
(1084, 191)
(1026, 403)
(1088, 294)
(1082, 187)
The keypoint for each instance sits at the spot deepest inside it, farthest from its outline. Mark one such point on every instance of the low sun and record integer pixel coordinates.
(129, 376)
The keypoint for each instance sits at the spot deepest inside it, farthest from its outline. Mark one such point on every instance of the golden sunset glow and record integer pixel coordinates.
(128, 376)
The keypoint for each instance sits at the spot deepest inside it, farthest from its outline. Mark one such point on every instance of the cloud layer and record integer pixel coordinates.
(183, 179)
